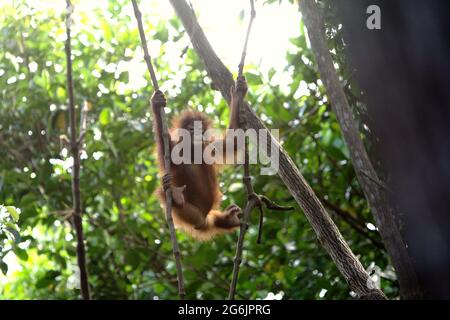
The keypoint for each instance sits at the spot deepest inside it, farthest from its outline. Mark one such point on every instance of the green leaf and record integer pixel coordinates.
(271, 73)
(21, 253)
(60, 92)
(43, 80)
(105, 116)
(106, 28)
(327, 136)
(253, 79)
(163, 33)
(159, 288)
(13, 212)
(3, 267)
(16, 234)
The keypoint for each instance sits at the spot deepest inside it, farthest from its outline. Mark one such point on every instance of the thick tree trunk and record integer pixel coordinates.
(376, 195)
(325, 229)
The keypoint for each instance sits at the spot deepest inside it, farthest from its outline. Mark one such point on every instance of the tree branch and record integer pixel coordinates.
(354, 223)
(252, 199)
(76, 193)
(165, 135)
(325, 229)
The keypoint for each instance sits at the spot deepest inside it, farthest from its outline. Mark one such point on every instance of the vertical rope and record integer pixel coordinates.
(166, 148)
(75, 150)
(252, 198)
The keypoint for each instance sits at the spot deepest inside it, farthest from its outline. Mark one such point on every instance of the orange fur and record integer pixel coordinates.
(197, 212)
(202, 195)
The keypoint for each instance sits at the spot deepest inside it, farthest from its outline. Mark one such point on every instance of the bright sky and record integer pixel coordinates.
(271, 30)
(269, 40)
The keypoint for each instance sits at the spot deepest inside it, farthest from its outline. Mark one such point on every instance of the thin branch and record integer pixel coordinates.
(247, 36)
(240, 245)
(355, 223)
(252, 198)
(76, 193)
(165, 134)
(260, 226)
(274, 206)
(147, 57)
(375, 180)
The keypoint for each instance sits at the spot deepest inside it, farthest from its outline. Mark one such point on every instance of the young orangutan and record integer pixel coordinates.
(195, 190)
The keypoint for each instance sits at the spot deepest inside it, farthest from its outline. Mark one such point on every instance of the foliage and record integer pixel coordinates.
(128, 245)
(9, 234)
